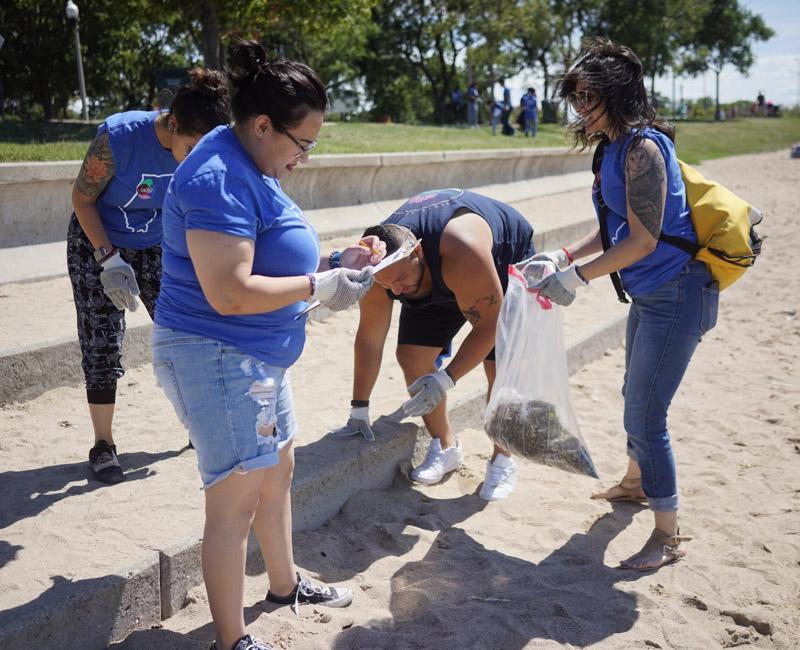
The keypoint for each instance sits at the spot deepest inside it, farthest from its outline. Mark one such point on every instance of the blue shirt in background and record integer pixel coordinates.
(130, 205)
(666, 261)
(219, 188)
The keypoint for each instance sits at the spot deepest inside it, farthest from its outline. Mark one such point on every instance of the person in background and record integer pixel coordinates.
(506, 108)
(473, 99)
(457, 99)
(240, 264)
(114, 235)
(496, 114)
(530, 109)
(457, 274)
(675, 298)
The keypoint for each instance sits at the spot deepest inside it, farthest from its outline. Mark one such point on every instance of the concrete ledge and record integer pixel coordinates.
(30, 371)
(35, 198)
(86, 614)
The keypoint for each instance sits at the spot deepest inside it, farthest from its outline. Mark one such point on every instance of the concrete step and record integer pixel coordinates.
(48, 260)
(84, 565)
(39, 348)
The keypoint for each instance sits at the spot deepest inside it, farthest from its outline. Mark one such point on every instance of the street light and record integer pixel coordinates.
(72, 16)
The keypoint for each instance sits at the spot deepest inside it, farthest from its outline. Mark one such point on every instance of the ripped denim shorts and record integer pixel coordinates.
(238, 410)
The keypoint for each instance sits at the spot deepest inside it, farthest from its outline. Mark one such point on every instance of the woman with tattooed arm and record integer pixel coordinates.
(114, 236)
(640, 193)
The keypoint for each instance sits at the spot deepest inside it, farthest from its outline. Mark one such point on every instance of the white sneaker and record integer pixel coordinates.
(437, 463)
(501, 478)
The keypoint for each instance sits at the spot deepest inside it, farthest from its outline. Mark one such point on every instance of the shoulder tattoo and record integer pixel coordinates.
(646, 176)
(97, 168)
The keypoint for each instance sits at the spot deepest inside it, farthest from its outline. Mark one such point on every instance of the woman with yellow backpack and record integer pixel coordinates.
(639, 195)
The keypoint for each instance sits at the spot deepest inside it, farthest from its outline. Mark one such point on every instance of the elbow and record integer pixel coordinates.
(225, 304)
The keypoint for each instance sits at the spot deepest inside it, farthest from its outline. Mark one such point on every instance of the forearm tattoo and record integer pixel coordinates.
(97, 168)
(473, 314)
(645, 179)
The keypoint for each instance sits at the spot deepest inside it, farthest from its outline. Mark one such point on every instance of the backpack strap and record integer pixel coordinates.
(602, 214)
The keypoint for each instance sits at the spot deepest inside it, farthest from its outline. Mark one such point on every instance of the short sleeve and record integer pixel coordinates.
(219, 202)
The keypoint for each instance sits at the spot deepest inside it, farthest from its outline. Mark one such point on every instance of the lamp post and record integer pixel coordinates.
(72, 16)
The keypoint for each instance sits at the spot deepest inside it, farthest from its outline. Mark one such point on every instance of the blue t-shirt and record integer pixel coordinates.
(666, 261)
(427, 214)
(130, 205)
(528, 104)
(219, 188)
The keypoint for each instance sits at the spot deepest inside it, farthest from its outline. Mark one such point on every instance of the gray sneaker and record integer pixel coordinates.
(247, 642)
(314, 593)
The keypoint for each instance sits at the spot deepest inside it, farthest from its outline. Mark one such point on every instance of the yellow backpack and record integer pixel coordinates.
(725, 225)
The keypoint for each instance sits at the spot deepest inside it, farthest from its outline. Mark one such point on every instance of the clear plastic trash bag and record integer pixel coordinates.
(530, 412)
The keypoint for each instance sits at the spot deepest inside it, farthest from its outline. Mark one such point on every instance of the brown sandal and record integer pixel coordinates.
(620, 493)
(670, 550)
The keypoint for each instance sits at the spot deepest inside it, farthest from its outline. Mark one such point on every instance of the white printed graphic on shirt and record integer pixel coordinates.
(616, 237)
(140, 193)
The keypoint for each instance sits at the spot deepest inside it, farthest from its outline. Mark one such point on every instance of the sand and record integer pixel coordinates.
(436, 567)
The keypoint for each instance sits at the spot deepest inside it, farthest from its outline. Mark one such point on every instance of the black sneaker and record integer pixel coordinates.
(104, 464)
(307, 591)
(247, 642)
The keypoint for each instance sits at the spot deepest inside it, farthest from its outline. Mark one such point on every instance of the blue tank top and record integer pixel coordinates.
(666, 261)
(427, 214)
(219, 188)
(130, 205)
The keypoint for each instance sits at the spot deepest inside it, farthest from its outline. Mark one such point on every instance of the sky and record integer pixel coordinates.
(776, 70)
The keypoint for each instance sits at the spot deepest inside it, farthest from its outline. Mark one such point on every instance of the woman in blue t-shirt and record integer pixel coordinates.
(240, 262)
(114, 236)
(674, 297)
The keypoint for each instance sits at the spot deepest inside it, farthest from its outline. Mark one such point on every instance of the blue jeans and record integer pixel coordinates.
(664, 328)
(238, 410)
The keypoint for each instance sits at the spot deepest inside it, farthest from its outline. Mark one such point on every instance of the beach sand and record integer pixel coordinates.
(436, 567)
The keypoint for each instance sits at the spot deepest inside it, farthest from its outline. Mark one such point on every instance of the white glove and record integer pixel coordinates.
(560, 287)
(119, 283)
(339, 288)
(559, 258)
(358, 422)
(427, 392)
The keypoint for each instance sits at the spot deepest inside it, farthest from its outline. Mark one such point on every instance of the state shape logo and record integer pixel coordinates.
(144, 190)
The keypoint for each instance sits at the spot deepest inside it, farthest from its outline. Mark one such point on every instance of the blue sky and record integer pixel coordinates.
(776, 70)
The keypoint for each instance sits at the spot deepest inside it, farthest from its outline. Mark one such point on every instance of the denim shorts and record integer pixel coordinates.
(238, 410)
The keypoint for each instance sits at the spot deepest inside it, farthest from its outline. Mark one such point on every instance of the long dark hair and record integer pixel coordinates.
(615, 73)
(286, 91)
(202, 104)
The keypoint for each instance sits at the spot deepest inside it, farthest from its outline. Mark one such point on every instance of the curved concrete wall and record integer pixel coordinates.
(35, 197)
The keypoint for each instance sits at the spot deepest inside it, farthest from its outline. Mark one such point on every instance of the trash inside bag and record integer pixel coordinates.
(530, 411)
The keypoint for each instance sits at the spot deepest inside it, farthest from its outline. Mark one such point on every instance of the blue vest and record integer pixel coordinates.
(218, 188)
(427, 214)
(130, 205)
(666, 261)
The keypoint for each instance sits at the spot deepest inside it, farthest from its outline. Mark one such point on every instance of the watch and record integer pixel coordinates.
(335, 259)
(102, 253)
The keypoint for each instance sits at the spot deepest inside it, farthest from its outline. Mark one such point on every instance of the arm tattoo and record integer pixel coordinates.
(646, 176)
(97, 168)
(473, 314)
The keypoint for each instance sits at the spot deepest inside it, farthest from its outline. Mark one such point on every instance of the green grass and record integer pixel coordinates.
(34, 141)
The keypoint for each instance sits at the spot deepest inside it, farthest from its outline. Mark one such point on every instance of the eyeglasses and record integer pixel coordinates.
(303, 149)
(581, 99)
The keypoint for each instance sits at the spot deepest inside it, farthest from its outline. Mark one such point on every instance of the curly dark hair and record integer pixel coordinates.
(615, 74)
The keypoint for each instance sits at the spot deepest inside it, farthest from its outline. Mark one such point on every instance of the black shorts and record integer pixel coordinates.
(433, 326)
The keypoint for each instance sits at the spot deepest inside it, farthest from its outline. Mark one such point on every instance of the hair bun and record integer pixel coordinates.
(246, 59)
(211, 83)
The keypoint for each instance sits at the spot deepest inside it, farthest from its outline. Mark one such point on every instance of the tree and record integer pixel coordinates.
(725, 36)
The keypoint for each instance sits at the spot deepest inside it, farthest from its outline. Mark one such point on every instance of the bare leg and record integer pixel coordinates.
(230, 506)
(102, 416)
(490, 368)
(273, 524)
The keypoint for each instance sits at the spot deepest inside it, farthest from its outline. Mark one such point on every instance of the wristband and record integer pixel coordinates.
(570, 259)
(312, 282)
(335, 259)
(453, 379)
(359, 403)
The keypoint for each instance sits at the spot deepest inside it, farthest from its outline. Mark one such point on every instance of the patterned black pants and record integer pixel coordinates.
(101, 326)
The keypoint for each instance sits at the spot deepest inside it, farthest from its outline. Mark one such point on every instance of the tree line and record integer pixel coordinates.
(403, 58)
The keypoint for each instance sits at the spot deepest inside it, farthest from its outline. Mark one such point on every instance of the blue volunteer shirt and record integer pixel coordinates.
(130, 205)
(666, 261)
(219, 188)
